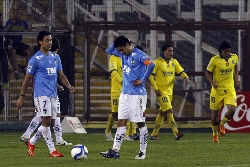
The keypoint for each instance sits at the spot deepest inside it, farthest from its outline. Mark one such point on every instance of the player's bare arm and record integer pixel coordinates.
(236, 76)
(209, 77)
(25, 84)
(65, 81)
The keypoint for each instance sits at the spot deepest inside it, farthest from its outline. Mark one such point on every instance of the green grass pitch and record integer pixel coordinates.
(194, 149)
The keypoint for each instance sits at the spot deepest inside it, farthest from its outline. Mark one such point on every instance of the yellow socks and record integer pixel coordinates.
(110, 123)
(158, 122)
(215, 130)
(133, 128)
(223, 121)
(171, 122)
(128, 129)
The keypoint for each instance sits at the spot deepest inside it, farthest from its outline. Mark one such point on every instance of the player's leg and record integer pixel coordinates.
(172, 124)
(113, 115)
(165, 105)
(58, 127)
(137, 115)
(215, 105)
(31, 128)
(123, 115)
(44, 104)
(230, 102)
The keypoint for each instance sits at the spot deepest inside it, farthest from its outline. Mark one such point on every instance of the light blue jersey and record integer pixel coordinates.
(45, 69)
(134, 68)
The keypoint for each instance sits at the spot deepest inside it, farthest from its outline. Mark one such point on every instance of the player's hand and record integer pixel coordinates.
(71, 89)
(186, 79)
(214, 84)
(60, 88)
(19, 102)
(237, 84)
(136, 83)
(158, 92)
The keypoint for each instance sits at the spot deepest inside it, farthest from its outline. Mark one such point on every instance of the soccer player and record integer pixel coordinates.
(137, 67)
(222, 73)
(115, 66)
(44, 68)
(37, 119)
(166, 67)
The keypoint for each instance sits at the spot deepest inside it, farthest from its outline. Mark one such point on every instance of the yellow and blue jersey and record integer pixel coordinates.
(165, 72)
(223, 70)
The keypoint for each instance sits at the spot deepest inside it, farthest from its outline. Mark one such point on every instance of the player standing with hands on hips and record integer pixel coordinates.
(44, 68)
(222, 73)
(137, 67)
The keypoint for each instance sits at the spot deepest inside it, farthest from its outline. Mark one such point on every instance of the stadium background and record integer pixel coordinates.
(86, 28)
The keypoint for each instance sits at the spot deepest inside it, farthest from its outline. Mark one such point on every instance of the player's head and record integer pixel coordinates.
(123, 45)
(139, 47)
(167, 51)
(55, 44)
(225, 48)
(44, 38)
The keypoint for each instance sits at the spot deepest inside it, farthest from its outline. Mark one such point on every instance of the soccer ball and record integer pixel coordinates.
(79, 151)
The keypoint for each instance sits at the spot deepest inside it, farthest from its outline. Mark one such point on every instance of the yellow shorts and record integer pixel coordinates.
(115, 101)
(218, 97)
(165, 101)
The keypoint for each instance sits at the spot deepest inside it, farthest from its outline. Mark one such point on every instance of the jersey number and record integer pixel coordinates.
(115, 101)
(212, 99)
(164, 99)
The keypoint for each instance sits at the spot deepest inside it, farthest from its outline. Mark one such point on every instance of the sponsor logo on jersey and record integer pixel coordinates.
(51, 71)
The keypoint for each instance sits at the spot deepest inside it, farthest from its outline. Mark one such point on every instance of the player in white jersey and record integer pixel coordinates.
(44, 68)
(37, 119)
(137, 67)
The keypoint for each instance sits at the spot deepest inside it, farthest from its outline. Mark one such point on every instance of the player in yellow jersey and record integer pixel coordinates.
(115, 66)
(166, 67)
(222, 73)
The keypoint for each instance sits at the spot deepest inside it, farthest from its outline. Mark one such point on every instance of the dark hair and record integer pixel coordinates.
(121, 41)
(17, 9)
(55, 44)
(164, 47)
(1, 14)
(139, 47)
(41, 35)
(224, 45)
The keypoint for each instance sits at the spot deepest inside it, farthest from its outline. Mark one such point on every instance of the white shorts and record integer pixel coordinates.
(46, 106)
(132, 107)
(58, 109)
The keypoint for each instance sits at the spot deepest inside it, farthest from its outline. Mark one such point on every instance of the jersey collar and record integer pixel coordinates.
(226, 58)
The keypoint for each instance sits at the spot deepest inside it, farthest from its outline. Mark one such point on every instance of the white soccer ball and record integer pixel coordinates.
(79, 151)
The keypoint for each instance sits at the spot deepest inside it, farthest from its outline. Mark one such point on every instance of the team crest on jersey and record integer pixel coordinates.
(39, 57)
(132, 61)
(233, 61)
(173, 65)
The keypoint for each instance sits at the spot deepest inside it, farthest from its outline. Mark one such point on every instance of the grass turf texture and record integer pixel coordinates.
(194, 149)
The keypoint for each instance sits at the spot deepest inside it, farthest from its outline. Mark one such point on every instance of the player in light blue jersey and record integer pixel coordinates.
(137, 67)
(44, 68)
(37, 119)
